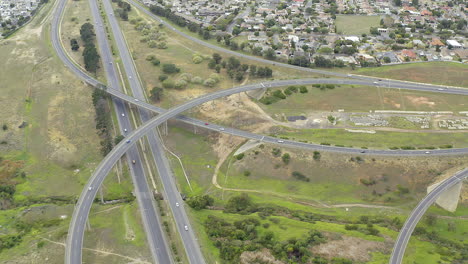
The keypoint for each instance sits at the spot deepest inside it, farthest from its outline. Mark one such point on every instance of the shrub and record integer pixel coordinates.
(247, 173)
(317, 155)
(240, 156)
(209, 82)
(303, 89)
(276, 152)
(168, 83)
(180, 84)
(197, 80)
(162, 77)
(186, 77)
(299, 176)
(286, 158)
(197, 59)
(279, 94)
(162, 45)
(215, 77)
(170, 68)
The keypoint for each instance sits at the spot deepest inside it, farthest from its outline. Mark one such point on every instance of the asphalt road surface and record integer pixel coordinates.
(416, 215)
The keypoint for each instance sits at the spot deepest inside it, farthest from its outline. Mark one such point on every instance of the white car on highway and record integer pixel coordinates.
(123, 114)
(280, 141)
(177, 204)
(186, 228)
(90, 188)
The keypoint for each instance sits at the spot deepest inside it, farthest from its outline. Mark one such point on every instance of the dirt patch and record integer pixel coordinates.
(390, 101)
(263, 256)
(420, 100)
(350, 248)
(62, 148)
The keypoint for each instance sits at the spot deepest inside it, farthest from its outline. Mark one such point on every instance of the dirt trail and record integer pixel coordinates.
(134, 260)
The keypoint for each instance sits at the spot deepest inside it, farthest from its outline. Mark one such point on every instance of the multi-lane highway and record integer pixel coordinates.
(156, 240)
(172, 196)
(408, 228)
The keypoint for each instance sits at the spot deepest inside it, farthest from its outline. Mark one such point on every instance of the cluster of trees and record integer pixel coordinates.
(276, 95)
(90, 54)
(200, 202)
(123, 9)
(236, 70)
(234, 238)
(324, 86)
(323, 62)
(103, 119)
(166, 12)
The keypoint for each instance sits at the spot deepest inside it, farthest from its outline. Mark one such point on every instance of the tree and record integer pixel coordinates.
(397, 2)
(91, 58)
(233, 63)
(87, 33)
(386, 59)
(200, 202)
(286, 158)
(269, 54)
(241, 204)
(253, 70)
(156, 93)
(118, 138)
(415, 2)
(170, 68)
(217, 58)
(74, 44)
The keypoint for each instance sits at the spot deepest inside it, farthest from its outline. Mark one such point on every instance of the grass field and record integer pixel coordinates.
(59, 142)
(123, 235)
(444, 73)
(356, 24)
(381, 139)
(365, 98)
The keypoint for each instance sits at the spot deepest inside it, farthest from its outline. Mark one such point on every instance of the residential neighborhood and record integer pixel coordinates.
(14, 13)
(343, 33)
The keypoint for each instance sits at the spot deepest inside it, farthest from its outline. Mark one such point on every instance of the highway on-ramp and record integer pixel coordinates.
(416, 215)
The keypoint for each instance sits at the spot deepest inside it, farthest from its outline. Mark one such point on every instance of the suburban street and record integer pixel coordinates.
(405, 233)
(144, 194)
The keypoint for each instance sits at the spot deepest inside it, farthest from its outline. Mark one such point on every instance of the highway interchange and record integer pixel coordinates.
(123, 147)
